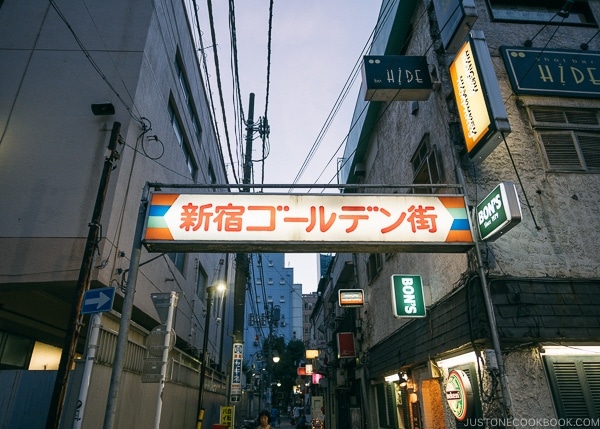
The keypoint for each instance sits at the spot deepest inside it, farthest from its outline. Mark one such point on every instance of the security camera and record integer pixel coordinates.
(103, 109)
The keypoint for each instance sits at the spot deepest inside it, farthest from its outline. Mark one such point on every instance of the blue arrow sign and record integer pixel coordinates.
(98, 300)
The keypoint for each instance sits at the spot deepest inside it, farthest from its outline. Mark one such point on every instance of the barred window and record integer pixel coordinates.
(569, 138)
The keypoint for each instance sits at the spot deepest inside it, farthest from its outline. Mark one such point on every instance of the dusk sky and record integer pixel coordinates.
(315, 46)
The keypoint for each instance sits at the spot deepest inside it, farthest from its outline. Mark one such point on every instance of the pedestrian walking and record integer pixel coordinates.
(264, 420)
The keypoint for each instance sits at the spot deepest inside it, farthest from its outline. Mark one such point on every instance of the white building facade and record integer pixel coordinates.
(73, 72)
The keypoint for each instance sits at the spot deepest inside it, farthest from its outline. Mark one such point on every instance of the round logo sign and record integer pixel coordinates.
(459, 394)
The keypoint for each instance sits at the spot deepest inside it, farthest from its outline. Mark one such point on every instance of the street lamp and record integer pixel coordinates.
(276, 357)
(217, 287)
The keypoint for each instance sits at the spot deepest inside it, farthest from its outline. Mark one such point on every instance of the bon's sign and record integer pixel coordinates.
(498, 212)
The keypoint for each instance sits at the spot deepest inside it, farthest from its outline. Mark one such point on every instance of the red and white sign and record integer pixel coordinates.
(345, 342)
(282, 222)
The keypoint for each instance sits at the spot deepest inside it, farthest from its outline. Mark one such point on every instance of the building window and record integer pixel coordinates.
(202, 281)
(374, 265)
(212, 177)
(189, 101)
(15, 351)
(282, 298)
(425, 166)
(574, 381)
(178, 259)
(542, 11)
(270, 281)
(251, 319)
(258, 281)
(179, 134)
(568, 138)
(392, 407)
(282, 281)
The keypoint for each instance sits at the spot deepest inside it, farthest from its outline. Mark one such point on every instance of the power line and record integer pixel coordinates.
(219, 85)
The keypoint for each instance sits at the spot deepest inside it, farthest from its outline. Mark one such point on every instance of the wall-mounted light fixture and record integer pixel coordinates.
(103, 109)
(391, 378)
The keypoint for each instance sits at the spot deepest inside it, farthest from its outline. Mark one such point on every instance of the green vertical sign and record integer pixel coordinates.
(407, 296)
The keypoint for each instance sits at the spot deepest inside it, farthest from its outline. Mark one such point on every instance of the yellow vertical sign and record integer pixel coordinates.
(470, 98)
(227, 416)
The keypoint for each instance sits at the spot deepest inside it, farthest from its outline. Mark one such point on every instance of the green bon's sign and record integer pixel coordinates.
(407, 296)
(498, 212)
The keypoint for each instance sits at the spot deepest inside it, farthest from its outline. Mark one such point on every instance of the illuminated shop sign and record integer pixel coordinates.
(499, 211)
(351, 297)
(477, 94)
(396, 78)
(282, 222)
(459, 394)
(553, 72)
(407, 296)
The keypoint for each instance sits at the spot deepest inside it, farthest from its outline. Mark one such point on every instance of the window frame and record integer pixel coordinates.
(571, 373)
(580, 129)
(425, 162)
(541, 12)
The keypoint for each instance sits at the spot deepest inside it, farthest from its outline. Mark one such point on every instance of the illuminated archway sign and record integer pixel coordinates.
(459, 394)
(235, 222)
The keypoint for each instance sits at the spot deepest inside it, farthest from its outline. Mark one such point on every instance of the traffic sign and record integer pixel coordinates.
(155, 341)
(98, 300)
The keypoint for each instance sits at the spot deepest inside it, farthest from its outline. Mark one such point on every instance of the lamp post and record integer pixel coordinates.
(219, 287)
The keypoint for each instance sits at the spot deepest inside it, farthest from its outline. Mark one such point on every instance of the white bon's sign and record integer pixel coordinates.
(283, 222)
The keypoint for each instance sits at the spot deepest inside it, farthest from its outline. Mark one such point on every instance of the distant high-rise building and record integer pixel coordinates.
(273, 304)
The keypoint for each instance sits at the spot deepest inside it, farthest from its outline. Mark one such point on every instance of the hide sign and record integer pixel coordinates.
(396, 78)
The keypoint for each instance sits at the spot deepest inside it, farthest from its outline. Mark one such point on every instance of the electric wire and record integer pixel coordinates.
(93, 62)
(219, 85)
(386, 11)
(22, 79)
(238, 110)
(207, 81)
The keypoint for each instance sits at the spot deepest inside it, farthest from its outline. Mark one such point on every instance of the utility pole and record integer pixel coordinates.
(242, 263)
(83, 284)
(241, 259)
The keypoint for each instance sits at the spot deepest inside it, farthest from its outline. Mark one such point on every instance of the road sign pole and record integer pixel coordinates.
(87, 371)
(165, 357)
(127, 309)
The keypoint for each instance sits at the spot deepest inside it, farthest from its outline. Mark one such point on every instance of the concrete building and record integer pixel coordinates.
(510, 335)
(308, 304)
(73, 74)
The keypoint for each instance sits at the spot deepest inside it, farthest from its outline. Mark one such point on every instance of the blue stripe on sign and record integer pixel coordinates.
(158, 210)
(460, 225)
